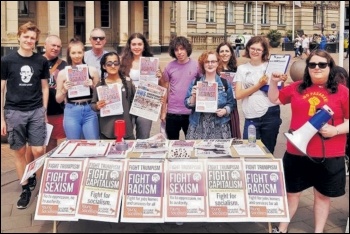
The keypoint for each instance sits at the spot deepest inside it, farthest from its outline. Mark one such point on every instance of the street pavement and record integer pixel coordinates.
(15, 220)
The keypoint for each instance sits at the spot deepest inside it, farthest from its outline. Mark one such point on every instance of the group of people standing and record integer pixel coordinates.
(40, 96)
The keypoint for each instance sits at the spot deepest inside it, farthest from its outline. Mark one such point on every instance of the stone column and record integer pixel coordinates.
(153, 26)
(165, 26)
(123, 22)
(181, 18)
(89, 20)
(53, 18)
(11, 24)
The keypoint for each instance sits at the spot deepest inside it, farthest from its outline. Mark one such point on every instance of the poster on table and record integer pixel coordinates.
(59, 189)
(143, 192)
(266, 192)
(101, 190)
(226, 191)
(185, 191)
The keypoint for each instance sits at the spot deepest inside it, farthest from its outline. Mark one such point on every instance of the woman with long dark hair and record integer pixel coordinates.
(110, 63)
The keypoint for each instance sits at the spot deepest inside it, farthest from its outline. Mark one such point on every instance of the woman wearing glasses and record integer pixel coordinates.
(214, 125)
(137, 47)
(79, 119)
(324, 168)
(110, 63)
(256, 107)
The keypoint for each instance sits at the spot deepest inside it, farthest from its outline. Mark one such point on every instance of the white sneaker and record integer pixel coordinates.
(179, 223)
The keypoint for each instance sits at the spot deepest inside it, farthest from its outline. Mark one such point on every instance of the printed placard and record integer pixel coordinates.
(101, 190)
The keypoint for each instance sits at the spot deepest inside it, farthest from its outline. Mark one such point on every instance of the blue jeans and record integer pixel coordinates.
(237, 51)
(267, 127)
(80, 121)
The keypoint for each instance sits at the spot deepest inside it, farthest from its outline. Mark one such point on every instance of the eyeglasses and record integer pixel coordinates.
(256, 50)
(109, 64)
(95, 38)
(211, 62)
(320, 65)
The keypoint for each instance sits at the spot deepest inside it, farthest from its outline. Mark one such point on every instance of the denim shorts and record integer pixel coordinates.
(25, 126)
(328, 177)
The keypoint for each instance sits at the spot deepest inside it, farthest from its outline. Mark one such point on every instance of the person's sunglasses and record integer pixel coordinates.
(109, 64)
(95, 38)
(320, 65)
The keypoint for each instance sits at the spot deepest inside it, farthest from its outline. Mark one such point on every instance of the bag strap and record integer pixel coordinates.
(58, 62)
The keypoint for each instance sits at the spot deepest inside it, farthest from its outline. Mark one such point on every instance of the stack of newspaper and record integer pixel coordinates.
(212, 148)
(154, 147)
(181, 149)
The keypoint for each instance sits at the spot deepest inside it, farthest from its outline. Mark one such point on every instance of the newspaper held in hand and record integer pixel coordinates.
(147, 101)
(110, 94)
(148, 69)
(77, 75)
(207, 97)
(229, 76)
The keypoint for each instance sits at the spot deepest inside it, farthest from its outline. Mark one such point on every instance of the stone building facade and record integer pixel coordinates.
(203, 22)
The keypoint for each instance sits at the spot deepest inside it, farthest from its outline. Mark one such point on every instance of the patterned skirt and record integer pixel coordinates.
(207, 129)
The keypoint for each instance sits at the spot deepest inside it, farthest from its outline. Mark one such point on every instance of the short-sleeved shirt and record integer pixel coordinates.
(257, 104)
(179, 77)
(305, 105)
(92, 60)
(23, 76)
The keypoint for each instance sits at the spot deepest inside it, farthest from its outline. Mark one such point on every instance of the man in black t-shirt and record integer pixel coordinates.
(53, 46)
(24, 74)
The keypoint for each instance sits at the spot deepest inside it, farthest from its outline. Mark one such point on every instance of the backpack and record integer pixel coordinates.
(224, 82)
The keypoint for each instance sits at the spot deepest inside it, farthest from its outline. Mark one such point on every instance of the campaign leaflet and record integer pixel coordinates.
(143, 192)
(226, 191)
(111, 95)
(181, 148)
(229, 76)
(147, 101)
(148, 69)
(207, 97)
(59, 189)
(114, 152)
(266, 193)
(77, 75)
(101, 190)
(185, 191)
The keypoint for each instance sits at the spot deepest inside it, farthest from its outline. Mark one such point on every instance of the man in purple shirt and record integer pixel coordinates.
(177, 77)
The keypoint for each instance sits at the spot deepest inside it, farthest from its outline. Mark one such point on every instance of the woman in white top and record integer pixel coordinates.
(257, 108)
(135, 48)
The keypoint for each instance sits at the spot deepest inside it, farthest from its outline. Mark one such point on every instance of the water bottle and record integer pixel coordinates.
(251, 135)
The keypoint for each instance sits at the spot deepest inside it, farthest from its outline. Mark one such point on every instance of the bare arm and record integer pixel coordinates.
(61, 89)
(242, 93)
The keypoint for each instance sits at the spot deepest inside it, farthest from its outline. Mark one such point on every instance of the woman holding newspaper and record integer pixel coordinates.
(206, 123)
(75, 86)
(135, 48)
(113, 107)
(256, 107)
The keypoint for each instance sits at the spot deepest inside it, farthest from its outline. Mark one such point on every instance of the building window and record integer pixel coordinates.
(191, 7)
(281, 14)
(173, 11)
(145, 10)
(63, 13)
(210, 13)
(230, 12)
(265, 14)
(105, 11)
(23, 8)
(248, 13)
(317, 15)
